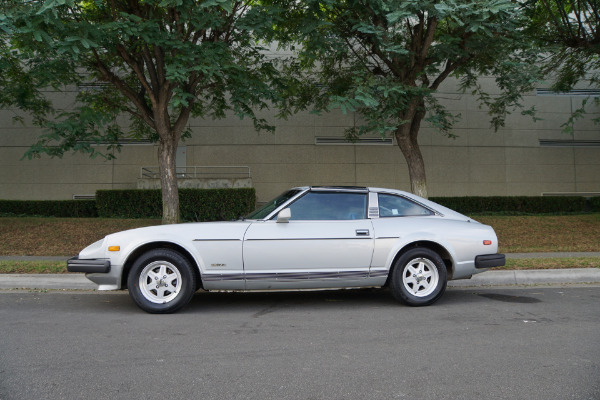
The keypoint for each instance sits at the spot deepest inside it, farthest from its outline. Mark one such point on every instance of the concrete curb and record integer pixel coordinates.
(531, 277)
(45, 281)
(489, 278)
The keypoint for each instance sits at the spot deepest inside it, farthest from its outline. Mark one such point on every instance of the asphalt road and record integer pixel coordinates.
(477, 343)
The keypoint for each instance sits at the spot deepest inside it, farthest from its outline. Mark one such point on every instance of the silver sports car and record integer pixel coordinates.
(306, 238)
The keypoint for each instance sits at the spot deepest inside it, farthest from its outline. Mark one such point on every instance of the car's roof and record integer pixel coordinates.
(341, 188)
(439, 209)
(361, 189)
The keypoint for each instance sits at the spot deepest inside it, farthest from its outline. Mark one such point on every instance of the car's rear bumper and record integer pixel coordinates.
(88, 266)
(490, 260)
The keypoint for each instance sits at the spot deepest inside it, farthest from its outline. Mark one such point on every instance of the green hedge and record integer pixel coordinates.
(595, 204)
(194, 204)
(227, 204)
(519, 204)
(129, 203)
(50, 208)
(216, 204)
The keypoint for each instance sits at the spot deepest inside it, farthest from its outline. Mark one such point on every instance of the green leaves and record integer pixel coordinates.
(380, 58)
(158, 60)
(568, 31)
(50, 4)
(161, 61)
(384, 60)
(226, 5)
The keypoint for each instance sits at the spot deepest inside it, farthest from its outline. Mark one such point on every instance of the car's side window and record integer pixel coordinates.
(396, 206)
(329, 206)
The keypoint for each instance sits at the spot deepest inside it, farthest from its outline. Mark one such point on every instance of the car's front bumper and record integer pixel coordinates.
(88, 266)
(490, 260)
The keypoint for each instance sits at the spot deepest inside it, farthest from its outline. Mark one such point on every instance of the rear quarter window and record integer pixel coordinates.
(396, 206)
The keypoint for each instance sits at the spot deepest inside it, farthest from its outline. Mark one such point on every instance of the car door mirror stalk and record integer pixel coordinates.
(284, 215)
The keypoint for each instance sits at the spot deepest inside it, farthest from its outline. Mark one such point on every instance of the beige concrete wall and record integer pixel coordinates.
(478, 162)
(61, 178)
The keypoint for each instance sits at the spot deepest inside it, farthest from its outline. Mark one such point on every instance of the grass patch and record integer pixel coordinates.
(31, 236)
(541, 233)
(550, 263)
(33, 267)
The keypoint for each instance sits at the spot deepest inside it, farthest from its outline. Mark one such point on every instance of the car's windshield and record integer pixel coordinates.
(273, 204)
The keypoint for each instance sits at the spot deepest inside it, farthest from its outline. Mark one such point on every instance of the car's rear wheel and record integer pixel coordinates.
(161, 281)
(419, 277)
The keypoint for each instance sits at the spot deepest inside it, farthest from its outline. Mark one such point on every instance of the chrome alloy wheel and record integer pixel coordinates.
(160, 282)
(420, 277)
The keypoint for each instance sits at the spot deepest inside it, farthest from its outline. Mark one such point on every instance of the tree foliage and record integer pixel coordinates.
(26, 71)
(568, 32)
(158, 61)
(386, 59)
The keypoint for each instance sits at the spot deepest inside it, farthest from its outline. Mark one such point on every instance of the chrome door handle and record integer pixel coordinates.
(362, 232)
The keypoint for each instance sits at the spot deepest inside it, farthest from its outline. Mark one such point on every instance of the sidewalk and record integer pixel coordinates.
(489, 278)
(46, 281)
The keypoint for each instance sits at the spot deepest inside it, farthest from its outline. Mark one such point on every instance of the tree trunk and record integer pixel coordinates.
(406, 136)
(168, 180)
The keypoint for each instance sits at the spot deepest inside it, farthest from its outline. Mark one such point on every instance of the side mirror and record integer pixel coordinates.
(284, 215)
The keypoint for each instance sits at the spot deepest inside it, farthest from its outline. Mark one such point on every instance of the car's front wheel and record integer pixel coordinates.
(161, 281)
(419, 277)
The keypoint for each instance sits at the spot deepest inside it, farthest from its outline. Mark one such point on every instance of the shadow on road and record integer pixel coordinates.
(322, 300)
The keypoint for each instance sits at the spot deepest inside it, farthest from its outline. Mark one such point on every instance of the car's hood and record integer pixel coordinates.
(195, 231)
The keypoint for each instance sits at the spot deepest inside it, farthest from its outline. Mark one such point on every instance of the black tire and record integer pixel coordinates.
(419, 277)
(164, 293)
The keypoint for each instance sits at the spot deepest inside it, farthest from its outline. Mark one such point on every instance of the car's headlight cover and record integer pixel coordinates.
(94, 250)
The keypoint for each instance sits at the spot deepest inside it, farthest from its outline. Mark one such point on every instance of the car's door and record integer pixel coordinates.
(328, 242)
